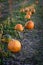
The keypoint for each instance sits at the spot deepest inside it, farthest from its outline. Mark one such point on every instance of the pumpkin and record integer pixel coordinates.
(14, 46)
(29, 24)
(26, 9)
(27, 16)
(29, 13)
(33, 10)
(19, 27)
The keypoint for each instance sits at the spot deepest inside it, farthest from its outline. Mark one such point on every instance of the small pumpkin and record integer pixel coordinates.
(14, 46)
(29, 13)
(29, 25)
(27, 16)
(33, 10)
(26, 9)
(19, 27)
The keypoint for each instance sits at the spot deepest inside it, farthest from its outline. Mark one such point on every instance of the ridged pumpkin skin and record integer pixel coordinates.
(19, 27)
(14, 46)
(29, 25)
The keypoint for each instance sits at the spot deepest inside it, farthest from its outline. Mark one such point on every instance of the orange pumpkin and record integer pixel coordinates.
(27, 16)
(29, 13)
(14, 46)
(29, 25)
(19, 27)
(26, 9)
(33, 10)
